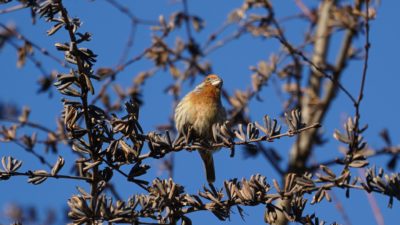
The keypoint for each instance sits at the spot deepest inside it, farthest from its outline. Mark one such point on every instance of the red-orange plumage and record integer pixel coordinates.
(200, 109)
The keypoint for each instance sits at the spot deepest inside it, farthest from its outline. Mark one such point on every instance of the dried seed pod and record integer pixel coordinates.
(38, 176)
(328, 171)
(57, 167)
(239, 133)
(10, 164)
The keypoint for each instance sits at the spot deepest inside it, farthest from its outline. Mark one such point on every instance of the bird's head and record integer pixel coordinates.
(213, 80)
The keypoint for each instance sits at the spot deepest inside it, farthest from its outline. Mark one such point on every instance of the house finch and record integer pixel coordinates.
(198, 111)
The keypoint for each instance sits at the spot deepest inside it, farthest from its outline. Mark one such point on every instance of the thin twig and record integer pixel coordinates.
(84, 90)
(128, 13)
(56, 176)
(271, 138)
(213, 36)
(274, 163)
(340, 208)
(36, 46)
(187, 20)
(123, 173)
(389, 150)
(224, 41)
(372, 202)
(306, 11)
(32, 151)
(322, 71)
(219, 145)
(367, 45)
(28, 123)
(13, 8)
(129, 44)
(113, 190)
(35, 62)
(133, 60)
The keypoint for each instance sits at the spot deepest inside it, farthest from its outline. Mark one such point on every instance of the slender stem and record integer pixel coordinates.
(322, 71)
(85, 108)
(31, 57)
(56, 176)
(367, 45)
(386, 150)
(30, 150)
(187, 20)
(128, 13)
(42, 50)
(30, 124)
(218, 145)
(123, 173)
(13, 8)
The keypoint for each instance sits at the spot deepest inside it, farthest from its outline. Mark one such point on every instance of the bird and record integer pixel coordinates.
(196, 114)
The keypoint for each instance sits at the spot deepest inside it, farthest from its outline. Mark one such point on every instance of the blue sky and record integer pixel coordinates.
(379, 108)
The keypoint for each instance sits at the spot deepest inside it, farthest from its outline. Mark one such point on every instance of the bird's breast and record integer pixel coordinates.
(208, 112)
(200, 109)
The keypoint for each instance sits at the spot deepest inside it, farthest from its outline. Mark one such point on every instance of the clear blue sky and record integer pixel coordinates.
(379, 109)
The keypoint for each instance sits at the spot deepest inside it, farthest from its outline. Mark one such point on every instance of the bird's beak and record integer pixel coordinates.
(217, 83)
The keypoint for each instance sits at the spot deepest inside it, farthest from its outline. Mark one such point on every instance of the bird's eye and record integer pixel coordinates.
(208, 79)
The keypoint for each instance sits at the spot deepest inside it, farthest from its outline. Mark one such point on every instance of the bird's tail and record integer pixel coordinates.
(208, 165)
